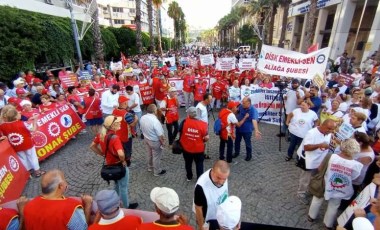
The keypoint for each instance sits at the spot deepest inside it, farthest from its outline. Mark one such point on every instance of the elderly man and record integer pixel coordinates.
(52, 210)
(246, 129)
(109, 100)
(169, 106)
(312, 150)
(3, 99)
(193, 135)
(110, 216)
(166, 203)
(210, 191)
(202, 112)
(154, 139)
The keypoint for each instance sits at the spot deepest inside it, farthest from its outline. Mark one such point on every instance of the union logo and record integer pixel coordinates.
(13, 163)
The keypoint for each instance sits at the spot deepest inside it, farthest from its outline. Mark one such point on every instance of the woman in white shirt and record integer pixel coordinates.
(341, 170)
(299, 122)
(365, 156)
(334, 110)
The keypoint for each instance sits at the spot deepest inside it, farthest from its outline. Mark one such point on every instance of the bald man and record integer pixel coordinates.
(52, 210)
(210, 191)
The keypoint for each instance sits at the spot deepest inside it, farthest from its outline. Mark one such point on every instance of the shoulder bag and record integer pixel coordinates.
(84, 119)
(317, 182)
(177, 147)
(111, 172)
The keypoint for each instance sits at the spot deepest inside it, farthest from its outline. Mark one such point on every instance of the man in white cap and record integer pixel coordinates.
(228, 213)
(110, 214)
(166, 203)
(169, 107)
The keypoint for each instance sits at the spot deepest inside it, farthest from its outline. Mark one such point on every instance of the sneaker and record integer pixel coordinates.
(187, 179)
(150, 170)
(288, 158)
(207, 156)
(163, 172)
(303, 198)
(133, 205)
(280, 134)
(235, 155)
(248, 158)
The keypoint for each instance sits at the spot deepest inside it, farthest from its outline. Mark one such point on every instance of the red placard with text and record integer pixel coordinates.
(13, 175)
(54, 129)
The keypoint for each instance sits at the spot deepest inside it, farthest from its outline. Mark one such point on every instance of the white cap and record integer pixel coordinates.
(25, 102)
(166, 199)
(362, 223)
(228, 213)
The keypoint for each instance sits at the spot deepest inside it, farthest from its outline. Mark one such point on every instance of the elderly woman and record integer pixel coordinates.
(341, 170)
(299, 122)
(334, 110)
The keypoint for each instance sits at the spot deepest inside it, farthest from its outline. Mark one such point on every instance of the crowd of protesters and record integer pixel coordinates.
(312, 114)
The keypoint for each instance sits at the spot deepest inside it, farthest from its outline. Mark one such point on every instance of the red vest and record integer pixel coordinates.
(97, 85)
(172, 114)
(123, 132)
(188, 83)
(127, 223)
(18, 135)
(156, 226)
(43, 214)
(6, 217)
(193, 132)
(199, 91)
(93, 111)
(223, 115)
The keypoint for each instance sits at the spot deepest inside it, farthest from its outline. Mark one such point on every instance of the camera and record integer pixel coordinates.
(281, 84)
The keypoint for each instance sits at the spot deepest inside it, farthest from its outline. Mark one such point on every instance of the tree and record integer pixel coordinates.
(247, 35)
(310, 24)
(208, 36)
(157, 4)
(150, 19)
(174, 13)
(97, 36)
(285, 6)
(182, 28)
(138, 27)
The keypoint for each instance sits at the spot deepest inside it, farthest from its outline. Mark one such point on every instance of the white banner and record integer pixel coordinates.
(282, 62)
(247, 64)
(225, 64)
(178, 84)
(207, 59)
(171, 60)
(261, 98)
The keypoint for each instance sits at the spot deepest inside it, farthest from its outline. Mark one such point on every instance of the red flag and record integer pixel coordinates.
(313, 48)
(123, 59)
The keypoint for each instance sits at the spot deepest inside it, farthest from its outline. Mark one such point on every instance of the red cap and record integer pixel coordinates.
(20, 91)
(12, 100)
(45, 91)
(232, 104)
(122, 99)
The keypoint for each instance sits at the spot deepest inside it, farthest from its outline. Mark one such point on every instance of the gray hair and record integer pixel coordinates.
(152, 108)
(52, 185)
(349, 147)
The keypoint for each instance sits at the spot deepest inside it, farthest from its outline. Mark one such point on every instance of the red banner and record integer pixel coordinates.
(68, 80)
(348, 78)
(13, 175)
(54, 129)
(146, 92)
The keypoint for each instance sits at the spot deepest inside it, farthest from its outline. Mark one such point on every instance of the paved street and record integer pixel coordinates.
(266, 185)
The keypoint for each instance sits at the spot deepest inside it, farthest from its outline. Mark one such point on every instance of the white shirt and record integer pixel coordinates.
(202, 112)
(302, 122)
(113, 220)
(108, 101)
(314, 158)
(234, 93)
(134, 99)
(342, 89)
(291, 99)
(231, 119)
(360, 179)
(151, 127)
(337, 113)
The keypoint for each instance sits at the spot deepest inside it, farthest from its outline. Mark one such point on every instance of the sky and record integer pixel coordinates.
(204, 14)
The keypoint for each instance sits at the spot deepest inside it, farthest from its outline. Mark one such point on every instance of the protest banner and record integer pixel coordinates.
(171, 60)
(261, 99)
(146, 93)
(116, 66)
(344, 132)
(13, 175)
(178, 84)
(282, 62)
(361, 201)
(318, 80)
(67, 80)
(348, 78)
(54, 129)
(247, 64)
(207, 59)
(184, 61)
(225, 64)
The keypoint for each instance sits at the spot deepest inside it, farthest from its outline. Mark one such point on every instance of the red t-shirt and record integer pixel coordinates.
(156, 226)
(113, 146)
(43, 108)
(123, 132)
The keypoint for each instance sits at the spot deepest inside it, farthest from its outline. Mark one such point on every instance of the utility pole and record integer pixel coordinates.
(75, 32)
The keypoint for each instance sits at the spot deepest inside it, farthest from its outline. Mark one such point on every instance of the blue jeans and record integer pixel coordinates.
(248, 145)
(137, 127)
(127, 146)
(230, 146)
(284, 127)
(121, 187)
(294, 142)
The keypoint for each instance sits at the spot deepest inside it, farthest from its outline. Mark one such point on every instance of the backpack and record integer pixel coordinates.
(217, 126)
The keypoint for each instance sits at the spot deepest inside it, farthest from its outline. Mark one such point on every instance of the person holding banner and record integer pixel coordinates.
(200, 89)
(92, 111)
(169, 106)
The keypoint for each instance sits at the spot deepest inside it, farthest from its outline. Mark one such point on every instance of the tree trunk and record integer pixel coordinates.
(138, 27)
(175, 21)
(284, 24)
(310, 26)
(159, 47)
(271, 23)
(98, 42)
(150, 19)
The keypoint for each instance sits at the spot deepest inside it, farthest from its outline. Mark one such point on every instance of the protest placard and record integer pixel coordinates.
(13, 175)
(207, 59)
(225, 64)
(247, 64)
(318, 80)
(171, 60)
(67, 80)
(348, 78)
(282, 62)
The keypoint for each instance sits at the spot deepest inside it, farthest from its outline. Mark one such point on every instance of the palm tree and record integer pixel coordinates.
(150, 19)
(285, 6)
(98, 42)
(138, 27)
(182, 28)
(174, 13)
(157, 4)
(310, 24)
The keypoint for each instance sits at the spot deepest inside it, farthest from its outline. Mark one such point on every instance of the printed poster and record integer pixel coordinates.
(207, 59)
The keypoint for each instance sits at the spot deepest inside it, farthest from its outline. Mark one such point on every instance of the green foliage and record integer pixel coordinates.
(246, 34)
(126, 39)
(111, 47)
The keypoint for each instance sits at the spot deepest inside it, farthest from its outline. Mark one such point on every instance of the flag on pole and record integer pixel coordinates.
(123, 59)
(313, 48)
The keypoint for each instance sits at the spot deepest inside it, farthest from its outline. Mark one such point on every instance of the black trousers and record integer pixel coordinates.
(172, 131)
(198, 158)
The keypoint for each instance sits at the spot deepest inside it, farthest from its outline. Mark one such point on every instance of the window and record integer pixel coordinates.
(132, 10)
(132, 22)
(105, 8)
(117, 9)
(118, 21)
